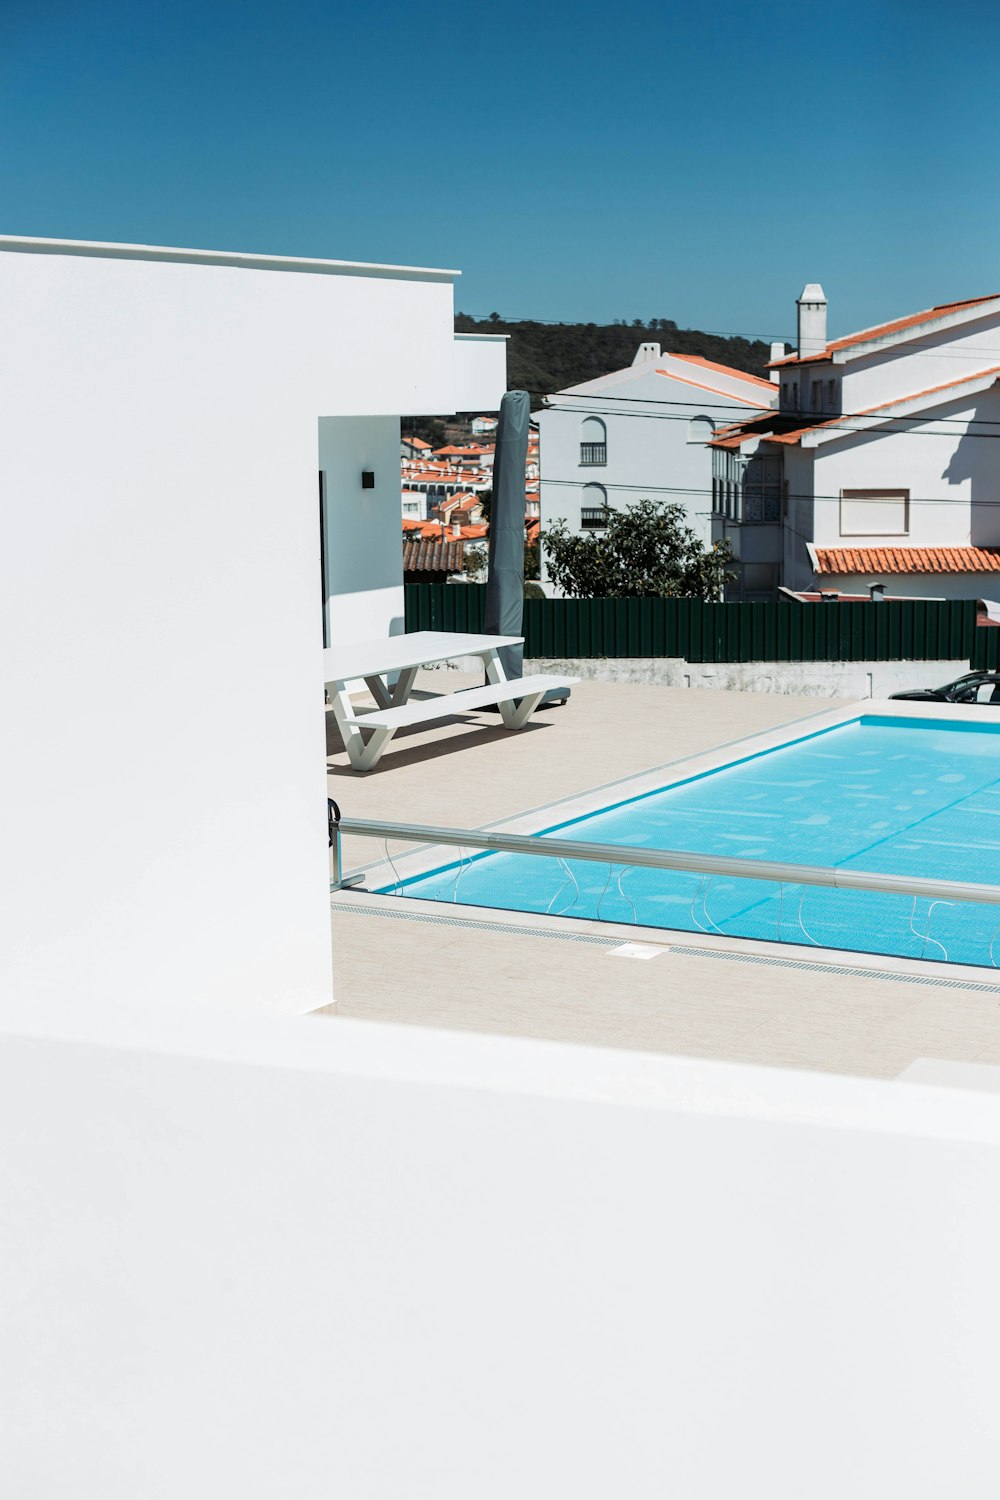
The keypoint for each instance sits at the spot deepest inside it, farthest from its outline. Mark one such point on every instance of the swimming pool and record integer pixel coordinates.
(900, 796)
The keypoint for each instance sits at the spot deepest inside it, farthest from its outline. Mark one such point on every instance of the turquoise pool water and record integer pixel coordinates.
(914, 797)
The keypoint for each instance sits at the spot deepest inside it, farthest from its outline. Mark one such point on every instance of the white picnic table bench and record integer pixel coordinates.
(401, 656)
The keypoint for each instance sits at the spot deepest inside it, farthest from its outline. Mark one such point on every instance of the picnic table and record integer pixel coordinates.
(367, 732)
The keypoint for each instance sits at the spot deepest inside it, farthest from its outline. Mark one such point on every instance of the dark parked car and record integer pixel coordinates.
(974, 687)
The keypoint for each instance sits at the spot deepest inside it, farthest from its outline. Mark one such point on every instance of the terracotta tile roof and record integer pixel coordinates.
(437, 531)
(715, 390)
(708, 364)
(845, 560)
(736, 433)
(433, 557)
(883, 330)
(416, 443)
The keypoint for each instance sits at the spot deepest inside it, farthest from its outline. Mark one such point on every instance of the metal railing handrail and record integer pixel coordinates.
(657, 859)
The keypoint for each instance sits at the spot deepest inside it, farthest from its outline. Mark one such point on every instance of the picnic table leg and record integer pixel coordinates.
(494, 666)
(361, 755)
(379, 691)
(386, 697)
(404, 686)
(516, 713)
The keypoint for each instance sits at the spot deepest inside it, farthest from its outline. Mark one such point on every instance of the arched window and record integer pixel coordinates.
(593, 441)
(700, 429)
(593, 508)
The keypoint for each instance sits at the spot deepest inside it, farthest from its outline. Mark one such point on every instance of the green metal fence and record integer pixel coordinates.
(903, 630)
(986, 653)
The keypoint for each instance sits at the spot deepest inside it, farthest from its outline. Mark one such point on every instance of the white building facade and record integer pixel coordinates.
(641, 433)
(164, 790)
(878, 467)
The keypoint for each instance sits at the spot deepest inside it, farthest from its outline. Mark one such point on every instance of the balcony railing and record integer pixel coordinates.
(593, 453)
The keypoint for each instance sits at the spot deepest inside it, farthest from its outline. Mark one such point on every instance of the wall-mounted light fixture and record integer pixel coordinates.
(367, 479)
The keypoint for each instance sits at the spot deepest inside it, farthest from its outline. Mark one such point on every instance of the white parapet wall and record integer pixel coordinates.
(281, 1257)
(162, 802)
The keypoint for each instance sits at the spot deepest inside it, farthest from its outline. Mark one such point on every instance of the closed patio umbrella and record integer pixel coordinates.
(505, 584)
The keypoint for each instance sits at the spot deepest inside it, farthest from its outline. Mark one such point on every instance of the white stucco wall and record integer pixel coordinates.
(916, 585)
(320, 1257)
(931, 358)
(950, 472)
(163, 790)
(364, 581)
(477, 357)
(944, 462)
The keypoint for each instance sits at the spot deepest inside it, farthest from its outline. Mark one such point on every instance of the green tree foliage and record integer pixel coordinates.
(475, 561)
(546, 357)
(646, 552)
(430, 429)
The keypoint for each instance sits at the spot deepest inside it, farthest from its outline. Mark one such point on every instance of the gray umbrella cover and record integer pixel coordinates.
(505, 584)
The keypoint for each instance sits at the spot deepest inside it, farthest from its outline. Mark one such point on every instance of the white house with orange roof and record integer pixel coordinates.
(877, 467)
(641, 432)
(414, 505)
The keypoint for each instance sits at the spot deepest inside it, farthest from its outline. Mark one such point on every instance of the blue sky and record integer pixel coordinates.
(574, 161)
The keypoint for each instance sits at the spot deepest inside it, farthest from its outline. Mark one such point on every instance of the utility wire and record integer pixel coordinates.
(864, 421)
(667, 489)
(760, 338)
(758, 414)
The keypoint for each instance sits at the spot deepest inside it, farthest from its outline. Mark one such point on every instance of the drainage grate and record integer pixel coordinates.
(803, 966)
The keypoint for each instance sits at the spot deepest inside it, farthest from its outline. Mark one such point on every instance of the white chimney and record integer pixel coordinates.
(777, 352)
(646, 351)
(812, 320)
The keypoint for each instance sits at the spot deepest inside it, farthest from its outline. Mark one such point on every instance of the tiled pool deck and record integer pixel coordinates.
(728, 1000)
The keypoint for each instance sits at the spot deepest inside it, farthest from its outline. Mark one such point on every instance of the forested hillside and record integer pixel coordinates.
(547, 357)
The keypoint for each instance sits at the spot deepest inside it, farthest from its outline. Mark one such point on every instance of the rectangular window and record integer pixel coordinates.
(593, 518)
(874, 512)
(762, 488)
(817, 395)
(593, 453)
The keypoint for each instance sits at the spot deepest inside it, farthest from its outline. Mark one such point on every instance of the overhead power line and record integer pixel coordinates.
(758, 414)
(809, 422)
(749, 338)
(667, 489)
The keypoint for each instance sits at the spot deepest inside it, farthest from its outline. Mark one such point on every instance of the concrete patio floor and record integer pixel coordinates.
(733, 1002)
